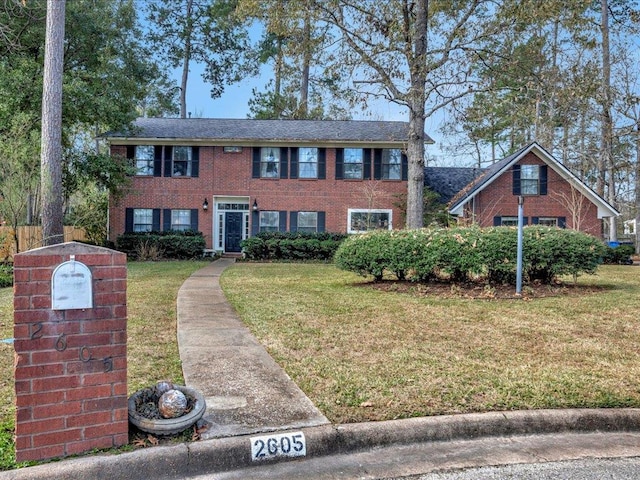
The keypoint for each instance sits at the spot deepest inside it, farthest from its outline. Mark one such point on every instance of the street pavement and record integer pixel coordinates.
(259, 424)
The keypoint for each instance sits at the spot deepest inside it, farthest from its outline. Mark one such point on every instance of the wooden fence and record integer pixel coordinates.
(30, 237)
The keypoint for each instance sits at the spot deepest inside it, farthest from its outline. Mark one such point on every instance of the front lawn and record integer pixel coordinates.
(363, 353)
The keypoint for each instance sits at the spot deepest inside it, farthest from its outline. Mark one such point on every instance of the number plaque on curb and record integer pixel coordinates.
(278, 445)
(71, 286)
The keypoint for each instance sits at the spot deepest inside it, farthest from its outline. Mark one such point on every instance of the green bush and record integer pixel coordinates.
(466, 254)
(620, 255)
(292, 246)
(6, 275)
(162, 245)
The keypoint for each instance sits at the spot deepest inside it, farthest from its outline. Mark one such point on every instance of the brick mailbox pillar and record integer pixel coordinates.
(70, 339)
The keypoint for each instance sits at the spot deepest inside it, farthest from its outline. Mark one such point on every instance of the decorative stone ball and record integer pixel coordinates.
(172, 404)
(163, 387)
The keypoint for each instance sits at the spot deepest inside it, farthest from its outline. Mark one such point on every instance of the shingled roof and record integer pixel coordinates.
(448, 181)
(248, 130)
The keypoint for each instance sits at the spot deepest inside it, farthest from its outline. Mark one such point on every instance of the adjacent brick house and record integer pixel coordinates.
(552, 195)
(231, 178)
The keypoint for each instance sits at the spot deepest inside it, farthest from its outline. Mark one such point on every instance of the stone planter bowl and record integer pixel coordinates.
(168, 426)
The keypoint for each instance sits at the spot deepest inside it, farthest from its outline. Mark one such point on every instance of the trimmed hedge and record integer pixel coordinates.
(471, 254)
(181, 245)
(620, 255)
(292, 246)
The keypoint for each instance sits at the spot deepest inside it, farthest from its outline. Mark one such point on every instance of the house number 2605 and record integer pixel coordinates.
(281, 445)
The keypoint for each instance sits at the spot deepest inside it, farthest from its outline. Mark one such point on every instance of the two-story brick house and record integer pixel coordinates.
(232, 178)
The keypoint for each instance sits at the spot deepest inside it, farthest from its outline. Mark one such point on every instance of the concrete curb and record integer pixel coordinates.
(232, 453)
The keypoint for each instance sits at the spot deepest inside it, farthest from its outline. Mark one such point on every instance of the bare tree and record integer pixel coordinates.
(51, 142)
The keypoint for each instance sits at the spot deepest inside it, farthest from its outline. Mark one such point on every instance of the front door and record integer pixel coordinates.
(233, 231)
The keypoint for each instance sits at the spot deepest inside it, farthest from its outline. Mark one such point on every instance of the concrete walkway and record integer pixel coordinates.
(246, 391)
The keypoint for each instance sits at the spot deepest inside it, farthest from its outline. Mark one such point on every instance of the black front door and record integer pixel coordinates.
(233, 231)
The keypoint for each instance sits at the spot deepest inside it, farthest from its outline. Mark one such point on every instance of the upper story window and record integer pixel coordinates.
(144, 159)
(269, 162)
(307, 162)
(182, 162)
(353, 163)
(391, 164)
(529, 179)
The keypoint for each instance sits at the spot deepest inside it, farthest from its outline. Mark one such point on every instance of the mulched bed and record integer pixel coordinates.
(484, 292)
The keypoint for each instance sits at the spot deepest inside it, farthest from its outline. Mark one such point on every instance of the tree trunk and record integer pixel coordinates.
(51, 142)
(303, 109)
(607, 122)
(186, 60)
(415, 146)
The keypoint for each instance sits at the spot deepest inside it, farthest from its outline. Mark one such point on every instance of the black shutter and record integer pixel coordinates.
(195, 161)
(535, 220)
(516, 179)
(284, 162)
(405, 167)
(255, 223)
(339, 163)
(377, 164)
(194, 219)
(156, 220)
(128, 220)
(543, 180)
(322, 163)
(321, 221)
(366, 167)
(255, 165)
(131, 152)
(525, 220)
(293, 221)
(562, 222)
(157, 161)
(283, 221)
(168, 157)
(294, 163)
(166, 220)
(497, 221)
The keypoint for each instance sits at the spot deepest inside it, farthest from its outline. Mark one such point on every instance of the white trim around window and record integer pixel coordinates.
(360, 220)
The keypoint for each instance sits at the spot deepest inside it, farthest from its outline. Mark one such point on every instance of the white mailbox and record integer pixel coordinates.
(71, 286)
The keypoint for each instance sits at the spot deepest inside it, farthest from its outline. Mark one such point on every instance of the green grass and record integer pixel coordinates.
(362, 354)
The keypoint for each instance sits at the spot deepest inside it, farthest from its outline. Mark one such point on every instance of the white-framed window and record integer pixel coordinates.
(548, 221)
(530, 179)
(144, 159)
(391, 164)
(364, 220)
(182, 161)
(307, 221)
(353, 163)
(269, 162)
(307, 162)
(509, 221)
(180, 220)
(269, 221)
(142, 219)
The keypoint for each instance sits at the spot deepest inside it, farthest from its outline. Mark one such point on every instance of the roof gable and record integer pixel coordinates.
(499, 168)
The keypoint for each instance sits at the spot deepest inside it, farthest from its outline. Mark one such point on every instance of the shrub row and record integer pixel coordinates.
(620, 255)
(161, 245)
(6, 275)
(471, 254)
(292, 246)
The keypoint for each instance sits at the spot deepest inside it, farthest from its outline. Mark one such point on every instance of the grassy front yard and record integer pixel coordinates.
(362, 353)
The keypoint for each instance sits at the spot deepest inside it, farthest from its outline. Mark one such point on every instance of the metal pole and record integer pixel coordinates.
(519, 256)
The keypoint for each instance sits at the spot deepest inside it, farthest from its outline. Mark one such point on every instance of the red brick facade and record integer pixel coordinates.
(71, 364)
(223, 174)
